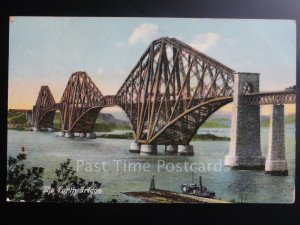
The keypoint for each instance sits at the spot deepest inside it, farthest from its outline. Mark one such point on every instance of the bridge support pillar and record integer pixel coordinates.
(171, 149)
(69, 134)
(82, 135)
(134, 147)
(91, 135)
(276, 163)
(185, 149)
(29, 117)
(245, 146)
(148, 149)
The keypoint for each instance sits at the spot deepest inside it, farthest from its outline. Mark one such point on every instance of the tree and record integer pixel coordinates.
(66, 178)
(26, 183)
(23, 184)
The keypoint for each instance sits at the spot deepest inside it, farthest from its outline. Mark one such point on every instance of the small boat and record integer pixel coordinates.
(194, 189)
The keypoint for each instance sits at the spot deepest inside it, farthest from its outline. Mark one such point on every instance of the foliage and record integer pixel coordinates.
(66, 178)
(26, 183)
(23, 184)
(104, 126)
(57, 121)
(120, 127)
(101, 126)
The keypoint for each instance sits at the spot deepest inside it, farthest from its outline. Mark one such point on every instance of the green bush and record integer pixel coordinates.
(26, 183)
(23, 183)
(101, 126)
(66, 177)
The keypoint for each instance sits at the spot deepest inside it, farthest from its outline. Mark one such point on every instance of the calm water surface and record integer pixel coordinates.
(47, 150)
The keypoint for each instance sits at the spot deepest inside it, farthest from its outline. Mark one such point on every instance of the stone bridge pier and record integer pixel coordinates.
(245, 147)
(276, 163)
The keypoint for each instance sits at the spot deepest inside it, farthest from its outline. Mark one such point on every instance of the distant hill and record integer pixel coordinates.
(223, 120)
(217, 120)
(119, 120)
(17, 121)
(121, 115)
(107, 122)
(108, 117)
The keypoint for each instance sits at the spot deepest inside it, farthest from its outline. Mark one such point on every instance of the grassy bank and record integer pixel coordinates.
(20, 128)
(102, 126)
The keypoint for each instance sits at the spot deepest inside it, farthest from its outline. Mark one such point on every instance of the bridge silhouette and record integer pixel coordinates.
(168, 95)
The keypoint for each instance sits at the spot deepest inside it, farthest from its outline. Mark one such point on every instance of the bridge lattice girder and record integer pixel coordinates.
(80, 103)
(274, 97)
(169, 93)
(43, 112)
(171, 79)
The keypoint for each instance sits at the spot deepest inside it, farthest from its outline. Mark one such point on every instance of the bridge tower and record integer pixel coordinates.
(245, 146)
(80, 105)
(43, 111)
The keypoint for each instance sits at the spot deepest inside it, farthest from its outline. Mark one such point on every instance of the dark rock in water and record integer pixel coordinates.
(128, 135)
(209, 137)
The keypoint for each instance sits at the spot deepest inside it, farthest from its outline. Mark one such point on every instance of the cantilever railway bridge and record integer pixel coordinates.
(167, 96)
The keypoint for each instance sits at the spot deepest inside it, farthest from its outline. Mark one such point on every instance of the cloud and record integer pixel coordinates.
(145, 32)
(203, 42)
(120, 45)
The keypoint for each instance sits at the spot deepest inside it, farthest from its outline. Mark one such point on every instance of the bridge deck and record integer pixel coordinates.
(272, 97)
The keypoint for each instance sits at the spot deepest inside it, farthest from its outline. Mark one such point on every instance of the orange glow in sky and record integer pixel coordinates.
(47, 50)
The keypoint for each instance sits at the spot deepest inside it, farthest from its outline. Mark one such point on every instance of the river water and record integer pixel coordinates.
(109, 162)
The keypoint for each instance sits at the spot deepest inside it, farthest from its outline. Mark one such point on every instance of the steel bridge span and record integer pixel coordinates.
(167, 96)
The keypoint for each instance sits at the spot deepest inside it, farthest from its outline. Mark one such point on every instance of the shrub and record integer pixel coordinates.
(26, 183)
(23, 184)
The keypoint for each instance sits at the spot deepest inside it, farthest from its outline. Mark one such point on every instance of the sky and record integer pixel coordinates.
(47, 50)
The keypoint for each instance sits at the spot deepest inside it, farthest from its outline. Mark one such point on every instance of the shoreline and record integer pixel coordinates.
(129, 135)
(197, 137)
